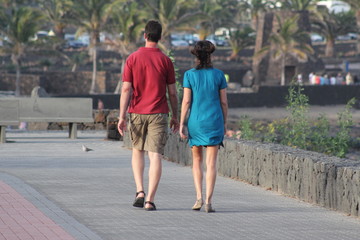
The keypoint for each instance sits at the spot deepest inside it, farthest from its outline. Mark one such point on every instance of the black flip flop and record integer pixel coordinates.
(139, 201)
(152, 208)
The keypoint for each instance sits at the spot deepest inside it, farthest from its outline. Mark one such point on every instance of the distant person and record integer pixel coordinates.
(339, 79)
(317, 80)
(311, 78)
(205, 100)
(333, 80)
(349, 79)
(299, 79)
(356, 79)
(148, 74)
(326, 79)
(227, 77)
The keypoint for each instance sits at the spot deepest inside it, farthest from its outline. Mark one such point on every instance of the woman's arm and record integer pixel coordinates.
(184, 109)
(224, 106)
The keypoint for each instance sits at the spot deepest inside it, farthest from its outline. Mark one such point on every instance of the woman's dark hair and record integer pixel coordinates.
(153, 31)
(203, 50)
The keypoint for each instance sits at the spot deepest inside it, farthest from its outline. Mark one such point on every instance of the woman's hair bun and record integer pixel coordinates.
(203, 46)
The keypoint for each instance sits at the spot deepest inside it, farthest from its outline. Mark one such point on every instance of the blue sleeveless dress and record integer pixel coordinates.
(206, 121)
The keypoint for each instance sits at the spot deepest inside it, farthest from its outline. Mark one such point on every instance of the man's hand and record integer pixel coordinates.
(121, 126)
(174, 125)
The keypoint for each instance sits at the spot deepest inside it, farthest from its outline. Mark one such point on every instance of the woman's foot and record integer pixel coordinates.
(139, 199)
(198, 204)
(208, 208)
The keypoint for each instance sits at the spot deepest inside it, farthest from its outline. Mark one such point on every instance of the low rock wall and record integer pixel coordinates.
(316, 178)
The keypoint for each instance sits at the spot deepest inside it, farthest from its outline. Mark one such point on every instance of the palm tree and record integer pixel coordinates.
(289, 40)
(331, 25)
(241, 39)
(206, 24)
(299, 5)
(355, 5)
(91, 16)
(18, 25)
(256, 8)
(57, 12)
(127, 22)
(216, 14)
(173, 15)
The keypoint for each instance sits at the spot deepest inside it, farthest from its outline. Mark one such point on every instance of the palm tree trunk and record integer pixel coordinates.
(94, 73)
(254, 21)
(283, 70)
(17, 81)
(358, 25)
(59, 31)
(329, 51)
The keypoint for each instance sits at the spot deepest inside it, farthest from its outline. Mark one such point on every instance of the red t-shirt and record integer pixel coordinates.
(150, 71)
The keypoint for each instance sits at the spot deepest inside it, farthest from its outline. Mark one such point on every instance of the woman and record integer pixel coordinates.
(205, 99)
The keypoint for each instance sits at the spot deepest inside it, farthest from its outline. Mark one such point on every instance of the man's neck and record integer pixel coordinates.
(149, 44)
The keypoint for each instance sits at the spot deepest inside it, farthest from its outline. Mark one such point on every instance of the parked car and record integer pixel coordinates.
(347, 37)
(179, 43)
(316, 37)
(72, 42)
(218, 40)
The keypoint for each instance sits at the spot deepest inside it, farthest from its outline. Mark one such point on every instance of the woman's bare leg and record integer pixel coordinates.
(211, 156)
(197, 169)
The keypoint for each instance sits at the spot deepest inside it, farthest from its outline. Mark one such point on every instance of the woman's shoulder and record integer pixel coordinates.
(191, 70)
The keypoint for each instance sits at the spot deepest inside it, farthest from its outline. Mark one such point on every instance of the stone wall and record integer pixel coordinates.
(312, 177)
(267, 96)
(27, 83)
(64, 83)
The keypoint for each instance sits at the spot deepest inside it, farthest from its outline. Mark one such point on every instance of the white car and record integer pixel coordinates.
(179, 43)
(316, 37)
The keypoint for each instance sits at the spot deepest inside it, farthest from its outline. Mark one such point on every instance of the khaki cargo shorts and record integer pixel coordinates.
(149, 131)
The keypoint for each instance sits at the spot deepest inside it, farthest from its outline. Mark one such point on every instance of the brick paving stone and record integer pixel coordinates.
(89, 194)
(15, 218)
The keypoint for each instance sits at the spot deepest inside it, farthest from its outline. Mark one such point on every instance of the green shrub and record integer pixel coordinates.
(321, 140)
(297, 132)
(246, 130)
(341, 142)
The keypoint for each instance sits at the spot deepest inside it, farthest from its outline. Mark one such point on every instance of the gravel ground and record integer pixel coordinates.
(270, 114)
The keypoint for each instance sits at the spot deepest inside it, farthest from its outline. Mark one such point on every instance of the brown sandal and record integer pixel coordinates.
(152, 208)
(139, 201)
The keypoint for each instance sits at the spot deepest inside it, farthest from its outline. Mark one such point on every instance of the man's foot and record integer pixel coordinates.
(150, 206)
(139, 199)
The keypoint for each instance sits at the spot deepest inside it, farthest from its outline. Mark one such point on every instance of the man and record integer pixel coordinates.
(148, 73)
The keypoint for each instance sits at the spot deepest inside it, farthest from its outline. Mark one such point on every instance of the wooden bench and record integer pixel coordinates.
(35, 109)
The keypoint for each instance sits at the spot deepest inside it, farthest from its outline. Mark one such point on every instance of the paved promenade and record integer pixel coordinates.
(51, 189)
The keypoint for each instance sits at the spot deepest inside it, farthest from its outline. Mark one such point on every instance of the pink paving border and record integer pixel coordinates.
(21, 220)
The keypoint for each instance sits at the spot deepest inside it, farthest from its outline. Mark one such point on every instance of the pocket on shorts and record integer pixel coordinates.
(161, 119)
(135, 119)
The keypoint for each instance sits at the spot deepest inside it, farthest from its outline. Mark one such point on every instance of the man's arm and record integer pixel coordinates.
(174, 123)
(124, 103)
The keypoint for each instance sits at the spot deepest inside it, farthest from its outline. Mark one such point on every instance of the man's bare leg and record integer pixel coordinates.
(154, 175)
(138, 165)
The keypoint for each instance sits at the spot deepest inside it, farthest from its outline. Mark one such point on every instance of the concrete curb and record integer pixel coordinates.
(330, 182)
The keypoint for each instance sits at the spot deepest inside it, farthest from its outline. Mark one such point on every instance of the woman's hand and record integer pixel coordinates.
(182, 132)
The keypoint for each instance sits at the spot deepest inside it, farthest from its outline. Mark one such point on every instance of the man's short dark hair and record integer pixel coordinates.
(153, 31)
